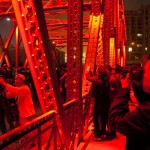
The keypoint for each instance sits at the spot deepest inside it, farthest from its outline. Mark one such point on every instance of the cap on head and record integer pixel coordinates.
(21, 76)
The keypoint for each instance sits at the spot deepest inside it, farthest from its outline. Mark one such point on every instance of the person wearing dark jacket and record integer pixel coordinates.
(135, 125)
(100, 91)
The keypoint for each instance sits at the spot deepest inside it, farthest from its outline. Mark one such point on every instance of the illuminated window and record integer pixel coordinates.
(65, 57)
(83, 58)
(130, 49)
(135, 57)
(139, 35)
(139, 45)
(145, 48)
(132, 43)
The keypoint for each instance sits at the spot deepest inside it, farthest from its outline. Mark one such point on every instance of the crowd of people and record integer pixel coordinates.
(17, 94)
(16, 99)
(135, 124)
(113, 90)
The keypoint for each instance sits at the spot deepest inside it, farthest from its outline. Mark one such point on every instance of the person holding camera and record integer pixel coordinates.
(24, 101)
(135, 124)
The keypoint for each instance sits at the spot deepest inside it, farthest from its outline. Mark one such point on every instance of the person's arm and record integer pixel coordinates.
(122, 120)
(19, 91)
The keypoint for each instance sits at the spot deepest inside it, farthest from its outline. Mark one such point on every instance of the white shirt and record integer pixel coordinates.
(24, 102)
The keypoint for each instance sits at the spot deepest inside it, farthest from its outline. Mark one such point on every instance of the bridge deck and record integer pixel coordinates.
(90, 143)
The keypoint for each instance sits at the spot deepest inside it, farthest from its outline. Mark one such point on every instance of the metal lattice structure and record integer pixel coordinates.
(43, 25)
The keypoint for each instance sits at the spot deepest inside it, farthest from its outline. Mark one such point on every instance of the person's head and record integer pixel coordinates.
(146, 77)
(143, 86)
(101, 72)
(19, 79)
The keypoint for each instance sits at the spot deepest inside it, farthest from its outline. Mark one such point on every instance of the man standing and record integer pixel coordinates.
(24, 98)
(135, 125)
(100, 93)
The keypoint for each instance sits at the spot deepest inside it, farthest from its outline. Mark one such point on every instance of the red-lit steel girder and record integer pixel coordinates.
(32, 26)
(74, 65)
(107, 27)
(114, 25)
(90, 62)
(55, 14)
(102, 20)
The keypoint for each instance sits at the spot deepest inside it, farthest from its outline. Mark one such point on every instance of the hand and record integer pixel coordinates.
(125, 82)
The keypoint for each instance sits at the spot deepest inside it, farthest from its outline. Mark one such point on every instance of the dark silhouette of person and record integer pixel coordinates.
(135, 124)
(100, 91)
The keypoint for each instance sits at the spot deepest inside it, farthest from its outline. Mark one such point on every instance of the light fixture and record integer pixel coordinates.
(8, 19)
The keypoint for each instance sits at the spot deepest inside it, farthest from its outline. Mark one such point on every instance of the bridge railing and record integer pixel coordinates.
(44, 129)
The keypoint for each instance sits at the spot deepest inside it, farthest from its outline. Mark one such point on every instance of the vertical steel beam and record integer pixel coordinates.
(32, 26)
(100, 48)
(17, 47)
(107, 26)
(74, 62)
(94, 26)
(122, 32)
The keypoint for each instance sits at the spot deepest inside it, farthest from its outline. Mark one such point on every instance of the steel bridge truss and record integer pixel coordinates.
(70, 26)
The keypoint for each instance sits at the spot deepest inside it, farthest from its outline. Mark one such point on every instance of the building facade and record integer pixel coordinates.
(138, 34)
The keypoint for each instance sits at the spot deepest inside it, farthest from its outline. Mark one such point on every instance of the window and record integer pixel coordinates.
(145, 48)
(139, 35)
(139, 45)
(130, 49)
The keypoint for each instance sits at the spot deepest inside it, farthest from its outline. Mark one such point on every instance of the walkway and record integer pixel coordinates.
(90, 143)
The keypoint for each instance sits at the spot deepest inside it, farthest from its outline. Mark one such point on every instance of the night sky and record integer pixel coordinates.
(134, 4)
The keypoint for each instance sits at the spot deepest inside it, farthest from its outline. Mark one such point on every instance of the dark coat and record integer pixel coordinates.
(100, 91)
(135, 125)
